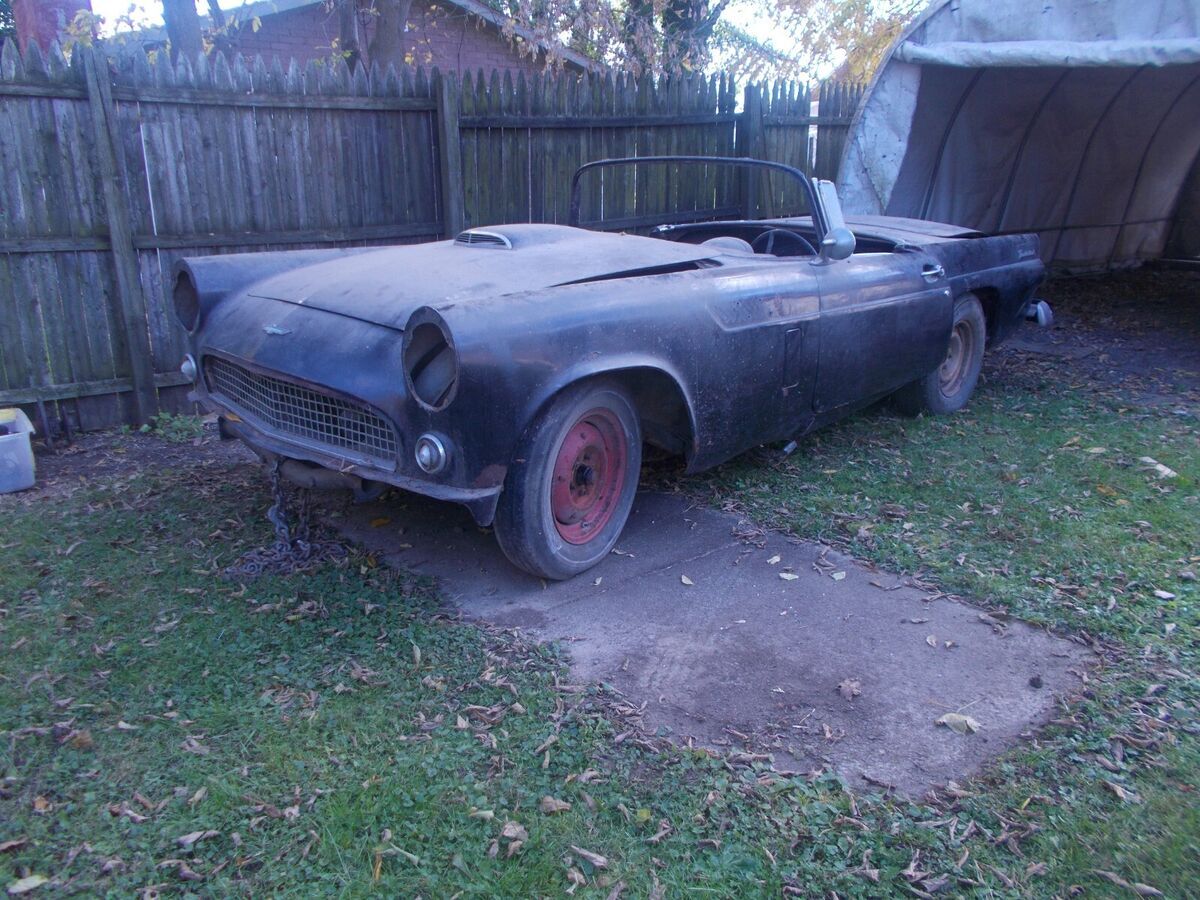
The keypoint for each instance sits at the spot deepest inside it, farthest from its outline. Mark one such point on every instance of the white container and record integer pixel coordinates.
(16, 455)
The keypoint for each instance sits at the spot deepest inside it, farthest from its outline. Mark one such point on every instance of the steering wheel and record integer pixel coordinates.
(781, 242)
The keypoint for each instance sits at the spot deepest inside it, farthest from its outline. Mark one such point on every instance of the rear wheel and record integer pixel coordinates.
(948, 387)
(570, 488)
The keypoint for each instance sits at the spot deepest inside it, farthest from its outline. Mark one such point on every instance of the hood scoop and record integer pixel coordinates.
(477, 237)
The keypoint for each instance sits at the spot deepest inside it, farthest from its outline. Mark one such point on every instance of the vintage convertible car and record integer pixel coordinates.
(517, 369)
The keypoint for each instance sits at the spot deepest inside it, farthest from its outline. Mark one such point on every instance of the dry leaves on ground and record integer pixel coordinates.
(959, 723)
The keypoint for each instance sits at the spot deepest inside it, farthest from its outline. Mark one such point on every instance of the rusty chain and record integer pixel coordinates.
(294, 550)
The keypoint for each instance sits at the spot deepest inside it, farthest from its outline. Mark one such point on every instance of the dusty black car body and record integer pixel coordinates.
(310, 355)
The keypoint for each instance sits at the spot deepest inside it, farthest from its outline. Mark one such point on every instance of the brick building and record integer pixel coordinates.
(454, 35)
(42, 21)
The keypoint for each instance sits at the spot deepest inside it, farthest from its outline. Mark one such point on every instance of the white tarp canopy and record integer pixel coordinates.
(1077, 119)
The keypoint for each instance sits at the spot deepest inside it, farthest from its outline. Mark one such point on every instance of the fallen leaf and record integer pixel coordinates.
(198, 796)
(1161, 470)
(1164, 595)
(600, 862)
(550, 805)
(850, 688)
(192, 838)
(380, 522)
(774, 560)
(5, 846)
(576, 878)
(686, 580)
(26, 884)
(181, 869)
(931, 640)
(838, 576)
(958, 723)
(788, 576)
(664, 829)
(42, 805)
(1122, 793)
(514, 831)
(1142, 890)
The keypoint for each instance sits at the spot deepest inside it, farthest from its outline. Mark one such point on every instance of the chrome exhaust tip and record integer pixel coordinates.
(1039, 311)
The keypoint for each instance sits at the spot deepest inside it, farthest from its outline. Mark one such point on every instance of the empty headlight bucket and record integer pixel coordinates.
(431, 453)
(188, 368)
(429, 359)
(187, 301)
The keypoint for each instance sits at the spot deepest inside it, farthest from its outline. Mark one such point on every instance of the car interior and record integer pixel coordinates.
(781, 238)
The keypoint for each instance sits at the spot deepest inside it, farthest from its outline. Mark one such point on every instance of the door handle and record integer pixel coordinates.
(932, 272)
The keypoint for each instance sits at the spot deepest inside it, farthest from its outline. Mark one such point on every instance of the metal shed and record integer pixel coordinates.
(1077, 119)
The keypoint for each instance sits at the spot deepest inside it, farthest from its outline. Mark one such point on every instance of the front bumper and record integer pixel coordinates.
(271, 447)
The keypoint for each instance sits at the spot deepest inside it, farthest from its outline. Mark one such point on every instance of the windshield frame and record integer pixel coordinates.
(820, 219)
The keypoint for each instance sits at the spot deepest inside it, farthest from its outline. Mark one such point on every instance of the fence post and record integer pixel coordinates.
(450, 155)
(132, 306)
(750, 142)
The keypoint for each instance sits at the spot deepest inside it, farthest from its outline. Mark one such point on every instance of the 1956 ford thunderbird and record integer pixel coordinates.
(518, 369)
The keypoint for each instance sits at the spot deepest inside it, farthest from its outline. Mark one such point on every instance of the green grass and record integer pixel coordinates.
(313, 721)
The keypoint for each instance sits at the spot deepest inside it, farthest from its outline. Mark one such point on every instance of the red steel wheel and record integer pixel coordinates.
(588, 475)
(572, 481)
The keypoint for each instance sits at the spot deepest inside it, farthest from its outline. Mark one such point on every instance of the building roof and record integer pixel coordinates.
(480, 10)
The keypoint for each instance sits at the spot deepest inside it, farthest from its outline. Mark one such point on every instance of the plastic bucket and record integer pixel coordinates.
(16, 455)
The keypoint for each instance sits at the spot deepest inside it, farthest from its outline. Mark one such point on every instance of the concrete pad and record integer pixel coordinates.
(744, 652)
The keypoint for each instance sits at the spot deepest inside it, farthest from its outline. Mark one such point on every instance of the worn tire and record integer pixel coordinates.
(572, 482)
(948, 387)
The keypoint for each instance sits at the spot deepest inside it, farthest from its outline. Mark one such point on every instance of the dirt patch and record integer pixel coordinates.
(113, 454)
(1135, 335)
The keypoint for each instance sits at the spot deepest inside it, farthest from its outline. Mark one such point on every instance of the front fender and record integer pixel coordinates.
(644, 374)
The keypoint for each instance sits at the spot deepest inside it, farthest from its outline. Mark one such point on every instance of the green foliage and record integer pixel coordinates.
(178, 428)
(8, 25)
(849, 36)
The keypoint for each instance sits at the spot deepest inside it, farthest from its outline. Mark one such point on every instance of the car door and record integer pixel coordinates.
(885, 320)
(762, 366)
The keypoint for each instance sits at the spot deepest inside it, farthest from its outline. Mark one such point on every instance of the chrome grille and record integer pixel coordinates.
(292, 409)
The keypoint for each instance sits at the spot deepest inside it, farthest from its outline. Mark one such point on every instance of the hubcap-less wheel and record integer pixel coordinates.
(588, 475)
(572, 481)
(958, 363)
(947, 388)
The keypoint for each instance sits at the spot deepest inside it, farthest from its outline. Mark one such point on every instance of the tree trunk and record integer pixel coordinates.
(388, 44)
(183, 29)
(349, 44)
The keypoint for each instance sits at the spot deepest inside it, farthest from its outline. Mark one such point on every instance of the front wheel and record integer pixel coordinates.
(569, 490)
(948, 387)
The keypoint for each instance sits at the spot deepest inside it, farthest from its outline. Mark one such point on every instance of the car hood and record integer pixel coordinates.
(384, 286)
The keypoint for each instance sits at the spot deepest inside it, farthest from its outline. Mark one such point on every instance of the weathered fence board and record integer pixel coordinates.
(110, 173)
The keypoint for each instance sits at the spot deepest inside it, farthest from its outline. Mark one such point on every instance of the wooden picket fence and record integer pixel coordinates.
(110, 172)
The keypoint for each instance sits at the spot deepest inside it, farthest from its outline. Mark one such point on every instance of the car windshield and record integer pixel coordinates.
(640, 194)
